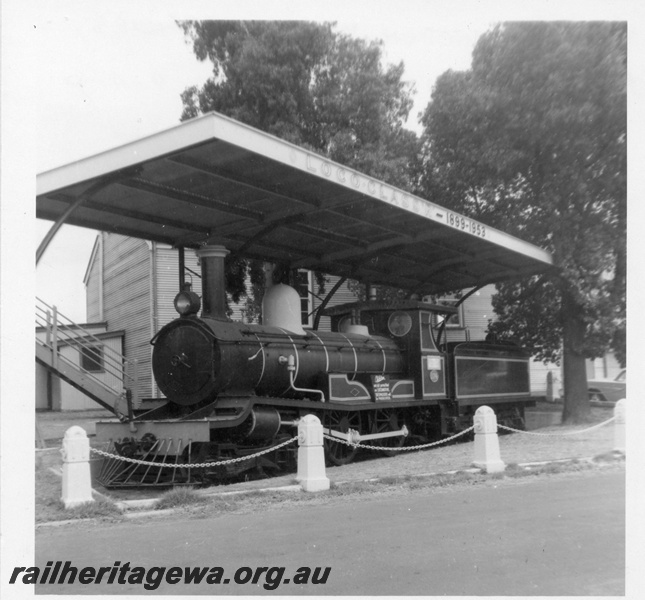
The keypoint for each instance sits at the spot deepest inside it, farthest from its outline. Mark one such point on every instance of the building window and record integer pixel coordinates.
(303, 287)
(455, 321)
(92, 359)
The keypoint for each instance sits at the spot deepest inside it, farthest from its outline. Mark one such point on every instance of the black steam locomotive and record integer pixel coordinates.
(234, 388)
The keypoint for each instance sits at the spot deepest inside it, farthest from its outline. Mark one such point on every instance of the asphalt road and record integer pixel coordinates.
(560, 535)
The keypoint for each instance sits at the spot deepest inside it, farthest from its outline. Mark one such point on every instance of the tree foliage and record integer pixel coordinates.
(532, 139)
(310, 85)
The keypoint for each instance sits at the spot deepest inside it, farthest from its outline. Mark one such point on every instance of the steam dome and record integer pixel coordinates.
(281, 308)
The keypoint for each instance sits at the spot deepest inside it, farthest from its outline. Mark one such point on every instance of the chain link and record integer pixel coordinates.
(137, 461)
(402, 448)
(557, 434)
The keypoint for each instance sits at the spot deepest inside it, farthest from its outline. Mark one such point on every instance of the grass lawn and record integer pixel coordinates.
(203, 503)
(49, 506)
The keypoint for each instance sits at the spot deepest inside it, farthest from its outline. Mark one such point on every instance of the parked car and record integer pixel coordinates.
(608, 390)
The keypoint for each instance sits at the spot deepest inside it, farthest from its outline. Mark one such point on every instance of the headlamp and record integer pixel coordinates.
(187, 303)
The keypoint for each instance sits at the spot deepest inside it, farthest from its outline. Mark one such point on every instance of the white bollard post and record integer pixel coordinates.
(311, 455)
(77, 482)
(487, 455)
(620, 425)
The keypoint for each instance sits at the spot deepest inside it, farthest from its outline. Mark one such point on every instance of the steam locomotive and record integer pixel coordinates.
(233, 388)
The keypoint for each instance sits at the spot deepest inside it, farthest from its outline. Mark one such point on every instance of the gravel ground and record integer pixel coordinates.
(555, 442)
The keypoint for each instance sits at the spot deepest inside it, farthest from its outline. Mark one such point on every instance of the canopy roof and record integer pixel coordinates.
(215, 180)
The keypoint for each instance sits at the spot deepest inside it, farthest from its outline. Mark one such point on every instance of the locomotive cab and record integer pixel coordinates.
(409, 325)
(457, 377)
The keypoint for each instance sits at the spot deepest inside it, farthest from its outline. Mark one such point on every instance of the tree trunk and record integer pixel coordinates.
(576, 396)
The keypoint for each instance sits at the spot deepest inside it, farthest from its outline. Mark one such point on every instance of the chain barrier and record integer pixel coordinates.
(137, 461)
(338, 440)
(557, 434)
(422, 446)
(395, 449)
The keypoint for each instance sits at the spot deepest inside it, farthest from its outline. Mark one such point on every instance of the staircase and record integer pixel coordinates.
(117, 387)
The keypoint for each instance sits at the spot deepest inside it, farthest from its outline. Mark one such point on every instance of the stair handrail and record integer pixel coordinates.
(60, 328)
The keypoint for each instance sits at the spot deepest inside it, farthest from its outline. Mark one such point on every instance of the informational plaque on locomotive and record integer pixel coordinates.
(382, 388)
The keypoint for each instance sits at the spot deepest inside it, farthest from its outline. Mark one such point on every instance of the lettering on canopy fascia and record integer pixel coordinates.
(319, 166)
(382, 191)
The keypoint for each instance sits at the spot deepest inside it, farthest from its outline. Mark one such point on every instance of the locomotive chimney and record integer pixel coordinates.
(213, 281)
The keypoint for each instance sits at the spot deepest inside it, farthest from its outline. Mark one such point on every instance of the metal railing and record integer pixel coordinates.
(118, 375)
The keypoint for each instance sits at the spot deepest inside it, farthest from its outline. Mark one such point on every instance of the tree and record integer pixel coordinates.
(309, 85)
(532, 139)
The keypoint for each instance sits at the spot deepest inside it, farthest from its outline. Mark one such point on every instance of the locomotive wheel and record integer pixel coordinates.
(339, 453)
(384, 420)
